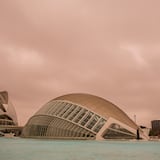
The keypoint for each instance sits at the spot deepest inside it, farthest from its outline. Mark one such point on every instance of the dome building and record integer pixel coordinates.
(7, 112)
(81, 116)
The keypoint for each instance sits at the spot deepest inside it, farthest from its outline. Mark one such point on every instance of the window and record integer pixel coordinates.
(69, 111)
(80, 115)
(74, 113)
(66, 106)
(60, 108)
(86, 118)
(94, 120)
(99, 125)
(115, 131)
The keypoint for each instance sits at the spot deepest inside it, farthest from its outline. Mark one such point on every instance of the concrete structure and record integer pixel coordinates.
(8, 117)
(7, 112)
(81, 116)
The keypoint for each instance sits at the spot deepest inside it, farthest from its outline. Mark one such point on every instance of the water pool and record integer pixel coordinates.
(34, 149)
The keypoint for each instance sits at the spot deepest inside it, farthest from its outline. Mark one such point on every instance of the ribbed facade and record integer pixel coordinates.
(80, 116)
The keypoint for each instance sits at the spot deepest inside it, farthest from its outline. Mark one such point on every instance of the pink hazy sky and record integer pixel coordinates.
(106, 48)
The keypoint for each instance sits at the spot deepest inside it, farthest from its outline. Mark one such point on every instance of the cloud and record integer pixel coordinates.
(136, 53)
(22, 57)
(107, 48)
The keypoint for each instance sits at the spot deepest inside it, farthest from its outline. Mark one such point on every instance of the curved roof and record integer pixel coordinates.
(100, 106)
(6, 107)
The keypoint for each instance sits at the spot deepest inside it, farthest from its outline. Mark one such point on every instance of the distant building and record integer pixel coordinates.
(81, 116)
(8, 117)
(145, 129)
(7, 112)
(155, 127)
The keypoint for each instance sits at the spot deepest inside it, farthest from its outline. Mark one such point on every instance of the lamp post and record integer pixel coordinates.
(135, 118)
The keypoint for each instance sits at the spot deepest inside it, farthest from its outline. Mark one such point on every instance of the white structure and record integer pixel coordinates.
(81, 116)
(7, 112)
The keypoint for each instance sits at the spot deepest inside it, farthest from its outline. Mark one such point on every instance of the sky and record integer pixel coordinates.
(107, 48)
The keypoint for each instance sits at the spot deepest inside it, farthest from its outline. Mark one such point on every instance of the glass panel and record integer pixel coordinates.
(63, 110)
(93, 121)
(73, 114)
(99, 125)
(69, 111)
(61, 107)
(119, 128)
(80, 115)
(113, 134)
(86, 119)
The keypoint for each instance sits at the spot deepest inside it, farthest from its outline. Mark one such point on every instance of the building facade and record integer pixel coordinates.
(7, 112)
(81, 116)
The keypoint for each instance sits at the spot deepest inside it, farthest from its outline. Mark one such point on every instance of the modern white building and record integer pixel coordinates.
(81, 116)
(7, 112)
